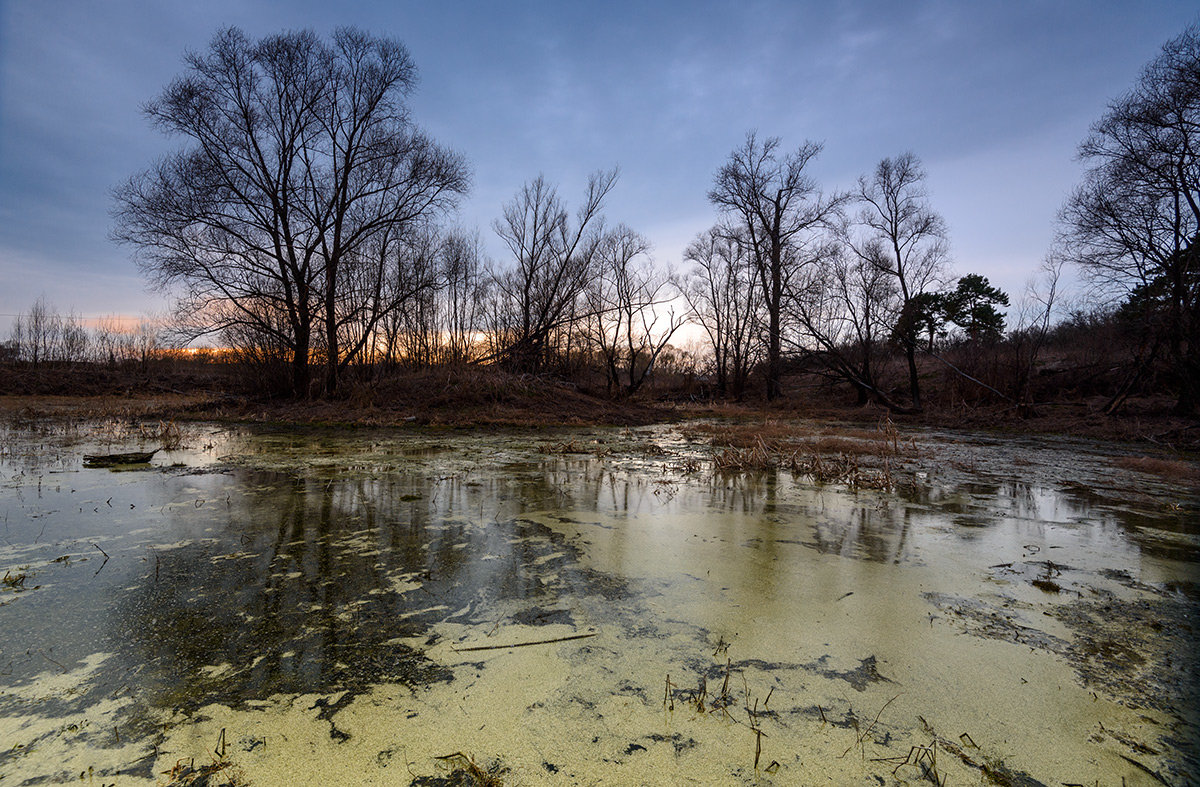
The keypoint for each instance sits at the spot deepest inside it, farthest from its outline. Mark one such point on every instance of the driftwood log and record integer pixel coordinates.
(113, 460)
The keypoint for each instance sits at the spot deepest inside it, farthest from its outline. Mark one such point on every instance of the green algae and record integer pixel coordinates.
(316, 589)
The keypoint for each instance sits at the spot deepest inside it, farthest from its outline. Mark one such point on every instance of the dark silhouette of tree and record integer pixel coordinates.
(843, 308)
(301, 180)
(971, 305)
(628, 319)
(781, 213)
(906, 239)
(554, 264)
(1132, 225)
(723, 297)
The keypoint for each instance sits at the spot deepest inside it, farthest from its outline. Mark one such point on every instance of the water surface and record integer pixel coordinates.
(318, 607)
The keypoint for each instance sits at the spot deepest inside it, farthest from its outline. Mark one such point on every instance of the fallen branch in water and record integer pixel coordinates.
(523, 644)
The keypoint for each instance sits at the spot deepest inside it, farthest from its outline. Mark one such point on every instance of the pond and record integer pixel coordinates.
(289, 606)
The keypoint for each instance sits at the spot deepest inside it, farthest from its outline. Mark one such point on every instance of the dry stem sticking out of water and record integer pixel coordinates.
(464, 763)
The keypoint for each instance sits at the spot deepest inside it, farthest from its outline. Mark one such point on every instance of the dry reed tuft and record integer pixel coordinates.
(167, 434)
(822, 468)
(1171, 469)
(464, 765)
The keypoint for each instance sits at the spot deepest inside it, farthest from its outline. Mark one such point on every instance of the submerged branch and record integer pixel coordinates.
(523, 644)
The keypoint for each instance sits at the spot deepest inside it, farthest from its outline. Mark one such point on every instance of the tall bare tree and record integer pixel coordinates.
(301, 162)
(903, 237)
(628, 317)
(724, 298)
(1133, 225)
(781, 212)
(844, 312)
(553, 260)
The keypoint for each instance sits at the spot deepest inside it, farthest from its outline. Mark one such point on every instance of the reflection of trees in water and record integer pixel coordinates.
(866, 531)
(324, 575)
(766, 507)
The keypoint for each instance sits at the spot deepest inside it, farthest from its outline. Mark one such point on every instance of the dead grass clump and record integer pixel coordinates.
(851, 446)
(574, 447)
(167, 434)
(776, 437)
(464, 765)
(221, 773)
(822, 468)
(1173, 469)
(747, 435)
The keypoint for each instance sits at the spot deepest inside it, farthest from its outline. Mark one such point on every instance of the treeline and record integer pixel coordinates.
(42, 337)
(306, 223)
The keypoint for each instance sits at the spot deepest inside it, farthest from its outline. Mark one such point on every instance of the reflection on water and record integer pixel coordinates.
(288, 564)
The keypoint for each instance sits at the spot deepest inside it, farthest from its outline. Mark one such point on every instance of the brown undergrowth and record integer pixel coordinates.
(857, 457)
(456, 397)
(1169, 469)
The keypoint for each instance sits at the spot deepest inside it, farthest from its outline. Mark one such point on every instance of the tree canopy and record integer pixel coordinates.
(286, 214)
(1132, 224)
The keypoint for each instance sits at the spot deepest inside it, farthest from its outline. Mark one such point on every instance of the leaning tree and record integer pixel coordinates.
(1132, 225)
(301, 179)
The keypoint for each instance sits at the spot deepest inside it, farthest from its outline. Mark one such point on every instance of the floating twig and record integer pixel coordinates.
(1154, 774)
(862, 736)
(567, 638)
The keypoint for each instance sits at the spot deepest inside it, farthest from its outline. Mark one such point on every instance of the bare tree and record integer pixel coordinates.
(780, 210)
(1035, 315)
(628, 318)
(43, 335)
(32, 333)
(1133, 224)
(302, 163)
(462, 294)
(553, 265)
(724, 298)
(903, 237)
(845, 313)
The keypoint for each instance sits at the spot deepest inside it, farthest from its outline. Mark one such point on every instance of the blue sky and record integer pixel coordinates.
(993, 96)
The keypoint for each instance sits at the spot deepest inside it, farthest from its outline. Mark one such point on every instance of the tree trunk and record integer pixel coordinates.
(300, 373)
(864, 391)
(775, 305)
(332, 351)
(910, 350)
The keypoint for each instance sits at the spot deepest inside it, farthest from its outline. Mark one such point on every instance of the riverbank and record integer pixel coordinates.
(471, 397)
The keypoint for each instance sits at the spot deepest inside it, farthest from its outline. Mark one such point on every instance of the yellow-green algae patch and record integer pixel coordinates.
(372, 608)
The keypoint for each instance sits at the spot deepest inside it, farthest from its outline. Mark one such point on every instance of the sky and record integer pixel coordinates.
(994, 97)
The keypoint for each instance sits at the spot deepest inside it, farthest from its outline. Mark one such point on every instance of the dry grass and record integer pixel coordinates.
(772, 433)
(781, 437)
(97, 408)
(463, 767)
(859, 458)
(1170, 469)
(167, 434)
(824, 469)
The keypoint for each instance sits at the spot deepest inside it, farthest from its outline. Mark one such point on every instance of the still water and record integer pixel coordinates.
(359, 607)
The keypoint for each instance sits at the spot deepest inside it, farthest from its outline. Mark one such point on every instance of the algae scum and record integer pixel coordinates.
(318, 607)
